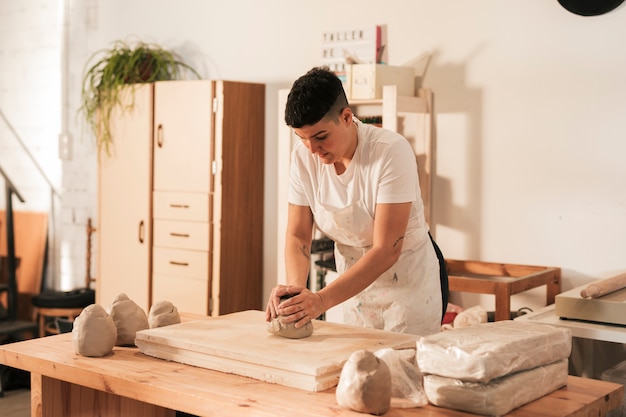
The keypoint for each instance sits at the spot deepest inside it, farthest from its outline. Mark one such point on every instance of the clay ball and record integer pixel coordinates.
(364, 384)
(163, 313)
(94, 332)
(129, 318)
(278, 328)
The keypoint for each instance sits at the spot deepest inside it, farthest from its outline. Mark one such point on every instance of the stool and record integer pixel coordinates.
(53, 304)
(65, 304)
(502, 280)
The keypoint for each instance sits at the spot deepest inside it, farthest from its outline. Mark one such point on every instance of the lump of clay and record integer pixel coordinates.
(277, 327)
(364, 384)
(163, 313)
(94, 332)
(129, 318)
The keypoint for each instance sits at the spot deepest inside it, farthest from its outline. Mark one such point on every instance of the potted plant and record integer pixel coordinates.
(114, 67)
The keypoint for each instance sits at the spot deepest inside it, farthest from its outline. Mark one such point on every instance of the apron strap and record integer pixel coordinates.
(443, 277)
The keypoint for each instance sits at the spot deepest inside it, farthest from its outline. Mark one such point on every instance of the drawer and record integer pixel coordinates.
(181, 206)
(187, 294)
(181, 263)
(181, 235)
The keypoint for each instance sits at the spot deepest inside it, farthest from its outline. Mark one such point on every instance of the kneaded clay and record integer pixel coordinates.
(364, 384)
(163, 313)
(94, 332)
(129, 318)
(277, 327)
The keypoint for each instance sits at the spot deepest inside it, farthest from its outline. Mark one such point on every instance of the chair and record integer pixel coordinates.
(52, 305)
(11, 329)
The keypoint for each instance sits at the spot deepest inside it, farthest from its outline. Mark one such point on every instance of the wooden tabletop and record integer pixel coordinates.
(128, 373)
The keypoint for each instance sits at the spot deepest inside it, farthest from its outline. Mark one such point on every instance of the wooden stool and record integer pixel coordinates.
(68, 304)
(502, 280)
(48, 327)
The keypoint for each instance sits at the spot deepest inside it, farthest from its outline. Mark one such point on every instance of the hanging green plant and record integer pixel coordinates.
(123, 64)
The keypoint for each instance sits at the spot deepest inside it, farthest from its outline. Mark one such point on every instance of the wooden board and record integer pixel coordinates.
(239, 343)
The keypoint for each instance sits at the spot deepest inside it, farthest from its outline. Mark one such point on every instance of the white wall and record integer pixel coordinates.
(529, 111)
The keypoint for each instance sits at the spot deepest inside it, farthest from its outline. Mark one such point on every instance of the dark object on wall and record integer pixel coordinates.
(590, 7)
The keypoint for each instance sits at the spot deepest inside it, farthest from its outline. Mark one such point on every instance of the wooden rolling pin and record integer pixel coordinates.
(605, 286)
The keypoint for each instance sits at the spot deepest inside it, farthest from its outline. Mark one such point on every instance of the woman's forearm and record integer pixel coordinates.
(297, 261)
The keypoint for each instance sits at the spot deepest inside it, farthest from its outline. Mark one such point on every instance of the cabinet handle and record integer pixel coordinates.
(141, 231)
(160, 135)
(179, 263)
(179, 206)
(179, 234)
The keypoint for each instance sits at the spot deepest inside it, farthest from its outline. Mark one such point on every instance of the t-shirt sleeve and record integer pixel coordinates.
(297, 194)
(398, 181)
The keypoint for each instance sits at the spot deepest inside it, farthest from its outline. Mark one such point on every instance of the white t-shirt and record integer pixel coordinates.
(384, 168)
(406, 297)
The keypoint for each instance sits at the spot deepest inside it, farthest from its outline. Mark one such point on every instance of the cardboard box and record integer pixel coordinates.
(367, 80)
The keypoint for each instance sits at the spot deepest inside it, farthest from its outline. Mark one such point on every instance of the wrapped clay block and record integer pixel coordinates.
(490, 350)
(94, 332)
(499, 396)
(129, 318)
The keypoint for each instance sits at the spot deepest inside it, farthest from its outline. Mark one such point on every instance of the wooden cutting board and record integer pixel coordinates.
(239, 343)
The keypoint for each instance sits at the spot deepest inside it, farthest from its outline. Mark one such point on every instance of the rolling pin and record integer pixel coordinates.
(605, 286)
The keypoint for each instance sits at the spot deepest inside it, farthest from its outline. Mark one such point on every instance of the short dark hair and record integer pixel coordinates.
(314, 96)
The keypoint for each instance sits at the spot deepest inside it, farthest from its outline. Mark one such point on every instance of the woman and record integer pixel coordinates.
(358, 184)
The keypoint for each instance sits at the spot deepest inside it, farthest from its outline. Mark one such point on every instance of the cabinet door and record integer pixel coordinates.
(124, 203)
(183, 126)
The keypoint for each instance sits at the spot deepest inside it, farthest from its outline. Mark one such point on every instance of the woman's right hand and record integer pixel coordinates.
(275, 298)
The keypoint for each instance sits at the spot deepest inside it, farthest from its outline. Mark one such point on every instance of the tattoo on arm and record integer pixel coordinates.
(397, 241)
(305, 252)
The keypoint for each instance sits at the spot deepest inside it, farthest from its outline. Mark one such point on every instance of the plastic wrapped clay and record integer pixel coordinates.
(129, 318)
(470, 317)
(498, 396)
(490, 350)
(94, 332)
(364, 384)
(407, 390)
(163, 313)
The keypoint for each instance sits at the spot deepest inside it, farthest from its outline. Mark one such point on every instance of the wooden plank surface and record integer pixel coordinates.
(130, 374)
(239, 343)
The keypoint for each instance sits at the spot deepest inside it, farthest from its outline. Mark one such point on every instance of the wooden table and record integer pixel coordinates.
(502, 280)
(128, 383)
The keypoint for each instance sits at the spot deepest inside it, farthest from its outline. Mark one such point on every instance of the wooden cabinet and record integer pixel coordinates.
(124, 237)
(206, 197)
